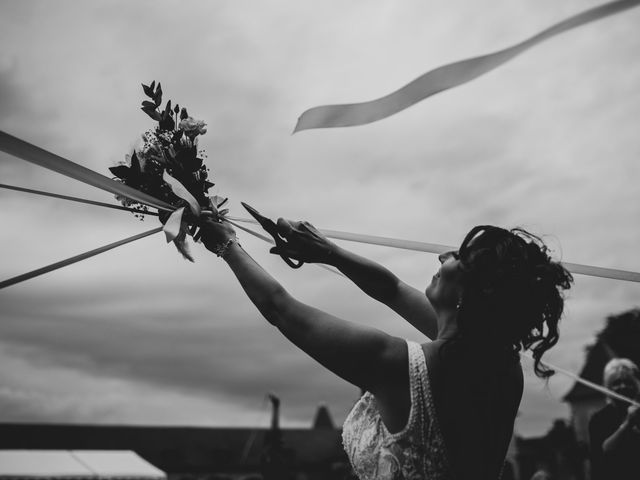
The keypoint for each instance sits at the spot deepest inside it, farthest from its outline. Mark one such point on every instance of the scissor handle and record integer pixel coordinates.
(282, 243)
(291, 262)
(272, 229)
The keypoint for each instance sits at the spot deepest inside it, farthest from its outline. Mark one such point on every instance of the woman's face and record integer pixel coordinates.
(445, 288)
(623, 383)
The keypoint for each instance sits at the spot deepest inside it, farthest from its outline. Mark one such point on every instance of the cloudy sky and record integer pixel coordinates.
(138, 335)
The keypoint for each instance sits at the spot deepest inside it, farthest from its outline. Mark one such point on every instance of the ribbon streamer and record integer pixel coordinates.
(77, 258)
(76, 199)
(443, 78)
(585, 382)
(30, 153)
(436, 248)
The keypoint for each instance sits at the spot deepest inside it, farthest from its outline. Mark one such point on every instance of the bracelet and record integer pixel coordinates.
(222, 249)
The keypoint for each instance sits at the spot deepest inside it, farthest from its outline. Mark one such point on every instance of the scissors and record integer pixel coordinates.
(272, 229)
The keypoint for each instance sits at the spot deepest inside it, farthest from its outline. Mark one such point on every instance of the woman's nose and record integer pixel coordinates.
(443, 257)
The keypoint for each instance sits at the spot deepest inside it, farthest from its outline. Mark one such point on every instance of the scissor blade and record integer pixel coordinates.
(262, 220)
(254, 213)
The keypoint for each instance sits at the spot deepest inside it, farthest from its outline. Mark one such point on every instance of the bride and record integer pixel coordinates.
(443, 409)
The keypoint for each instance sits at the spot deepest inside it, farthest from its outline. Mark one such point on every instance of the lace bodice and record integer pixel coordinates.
(416, 452)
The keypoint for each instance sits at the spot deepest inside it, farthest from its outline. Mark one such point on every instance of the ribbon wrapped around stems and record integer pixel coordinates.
(38, 156)
(173, 227)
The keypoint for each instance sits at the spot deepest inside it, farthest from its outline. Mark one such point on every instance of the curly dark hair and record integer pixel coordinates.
(515, 289)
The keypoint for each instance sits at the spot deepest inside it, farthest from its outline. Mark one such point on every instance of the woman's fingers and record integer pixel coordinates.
(213, 233)
(284, 227)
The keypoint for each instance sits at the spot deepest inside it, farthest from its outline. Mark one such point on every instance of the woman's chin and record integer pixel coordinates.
(429, 292)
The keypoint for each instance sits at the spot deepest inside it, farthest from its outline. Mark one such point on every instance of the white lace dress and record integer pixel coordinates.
(416, 452)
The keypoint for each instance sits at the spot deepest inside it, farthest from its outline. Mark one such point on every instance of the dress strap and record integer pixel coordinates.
(422, 401)
(418, 381)
(421, 396)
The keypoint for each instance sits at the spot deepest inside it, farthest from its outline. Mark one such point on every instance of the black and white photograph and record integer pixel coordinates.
(319, 240)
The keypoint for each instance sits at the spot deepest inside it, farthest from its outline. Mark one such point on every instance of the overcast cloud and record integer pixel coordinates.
(137, 335)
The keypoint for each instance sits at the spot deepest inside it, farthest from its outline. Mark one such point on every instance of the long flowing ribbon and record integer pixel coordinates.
(38, 156)
(353, 237)
(577, 268)
(76, 199)
(443, 78)
(75, 259)
(585, 382)
(30, 153)
(436, 248)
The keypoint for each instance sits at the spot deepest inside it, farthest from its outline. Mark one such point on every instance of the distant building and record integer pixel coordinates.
(323, 418)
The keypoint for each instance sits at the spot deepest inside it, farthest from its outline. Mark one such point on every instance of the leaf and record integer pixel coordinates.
(192, 163)
(183, 114)
(136, 170)
(220, 201)
(157, 97)
(186, 155)
(167, 109)
(149, 104)
(166, 122)
(152, 86)
(152, 113)
(121, 171)
(208, 185)
(148, 91)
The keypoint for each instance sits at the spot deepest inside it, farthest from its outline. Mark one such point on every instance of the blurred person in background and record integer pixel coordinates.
(614, 430)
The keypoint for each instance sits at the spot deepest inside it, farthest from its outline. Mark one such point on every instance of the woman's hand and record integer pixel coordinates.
(216, 234)
(305, 242)
(633, 418)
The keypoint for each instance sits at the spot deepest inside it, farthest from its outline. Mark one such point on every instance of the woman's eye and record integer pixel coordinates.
(455, 255)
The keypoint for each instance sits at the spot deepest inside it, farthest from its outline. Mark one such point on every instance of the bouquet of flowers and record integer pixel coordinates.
(170, 167)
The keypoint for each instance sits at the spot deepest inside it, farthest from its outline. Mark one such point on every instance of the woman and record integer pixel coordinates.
(614, 431)
(444, 409)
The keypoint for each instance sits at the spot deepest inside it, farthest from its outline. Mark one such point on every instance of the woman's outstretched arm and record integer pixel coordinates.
(363, 356)
(308, 244)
